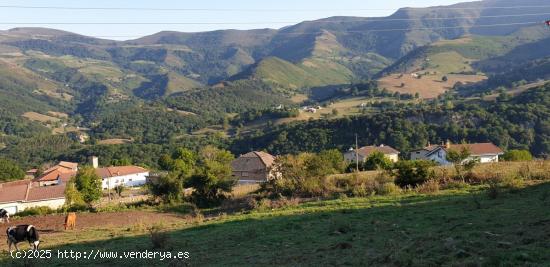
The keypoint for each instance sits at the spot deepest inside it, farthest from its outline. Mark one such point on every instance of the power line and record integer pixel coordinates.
(262, 23)
(256, 10)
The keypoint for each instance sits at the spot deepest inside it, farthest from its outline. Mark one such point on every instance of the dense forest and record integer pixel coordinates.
(522, 122)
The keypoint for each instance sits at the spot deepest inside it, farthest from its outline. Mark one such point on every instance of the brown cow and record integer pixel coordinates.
(70, 221)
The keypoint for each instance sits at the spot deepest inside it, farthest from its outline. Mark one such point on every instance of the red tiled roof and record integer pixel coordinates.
(14, 192)
(68, 165)
(367, 150)
(65, 177)
(243, 163)
(50, 176)
(119, 171)
(63, 166)
(478, 149)
(26, 190)
(46, 192)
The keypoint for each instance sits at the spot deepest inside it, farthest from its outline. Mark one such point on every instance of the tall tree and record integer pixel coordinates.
(88, 183)
(9, 171)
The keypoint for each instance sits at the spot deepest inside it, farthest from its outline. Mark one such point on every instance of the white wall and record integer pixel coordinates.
(131, 180)
(14, 207)
(52, 203)
(440, 157)
(350, 157)
(488, 158)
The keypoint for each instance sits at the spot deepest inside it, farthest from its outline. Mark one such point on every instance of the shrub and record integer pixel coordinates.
(412, 173)
(305, 175)
(517, 155)
(168, 188)
(76, 208)
(388, 189)
(456, 185)
(377, 161)
(429, 187)
(159, 239)
(43, 210)
(513, 184)
(212, 181)
(460, 161)
(88, 183)
(494, 187)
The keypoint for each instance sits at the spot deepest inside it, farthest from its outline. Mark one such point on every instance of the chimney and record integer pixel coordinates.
(448, 144)
(95, 162)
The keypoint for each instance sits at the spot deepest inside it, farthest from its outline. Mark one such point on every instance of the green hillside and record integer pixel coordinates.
(310, 73)
(455, 227)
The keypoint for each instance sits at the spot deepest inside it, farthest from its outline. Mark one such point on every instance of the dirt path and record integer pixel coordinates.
(54, 223)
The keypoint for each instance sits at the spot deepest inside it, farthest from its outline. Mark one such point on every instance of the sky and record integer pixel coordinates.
(214, 14)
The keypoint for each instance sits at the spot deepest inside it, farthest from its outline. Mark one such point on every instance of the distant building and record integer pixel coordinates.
(364, 152)
(20, 195)
(52, 176)
(129, 176)
(485, 152)
(31, 174)
(253, 167)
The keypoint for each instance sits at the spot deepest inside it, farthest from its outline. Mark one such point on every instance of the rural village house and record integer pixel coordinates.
(485, 152)
(253, 167)
(364, 153)
(20, 195)
(129, 176)
(49, 188)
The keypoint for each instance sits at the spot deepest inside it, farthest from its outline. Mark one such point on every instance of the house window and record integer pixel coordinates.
(440, 154)
(129, 180)
(244, 174)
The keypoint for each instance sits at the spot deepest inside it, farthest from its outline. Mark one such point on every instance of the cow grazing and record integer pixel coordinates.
(4, 216)
(70, 221)
(21, 233)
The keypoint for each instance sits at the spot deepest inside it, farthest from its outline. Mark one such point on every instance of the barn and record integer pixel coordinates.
(253, 167)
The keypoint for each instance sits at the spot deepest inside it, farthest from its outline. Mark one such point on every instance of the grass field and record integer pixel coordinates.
(429, 86)
(115, 141)
(33, 116)
(452, 228)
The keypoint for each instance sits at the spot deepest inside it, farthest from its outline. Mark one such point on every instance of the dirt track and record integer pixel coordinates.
(54, 223)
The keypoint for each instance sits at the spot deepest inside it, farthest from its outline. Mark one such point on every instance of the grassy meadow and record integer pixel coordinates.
(459, 225)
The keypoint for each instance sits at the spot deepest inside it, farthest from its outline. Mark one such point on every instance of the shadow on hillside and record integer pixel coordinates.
(463, 229)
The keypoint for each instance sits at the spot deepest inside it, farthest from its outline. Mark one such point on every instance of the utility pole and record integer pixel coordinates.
(356, 154)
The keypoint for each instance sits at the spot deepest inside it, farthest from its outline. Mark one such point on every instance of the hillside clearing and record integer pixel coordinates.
(428, 86)
(455, 227)
(34, 116)
(115, 141)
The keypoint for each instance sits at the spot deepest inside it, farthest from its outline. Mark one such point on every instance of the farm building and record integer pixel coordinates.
(485, 152)
(52, 175)
(20, 195)
(129, 176)
(364, 153)
(253, 167)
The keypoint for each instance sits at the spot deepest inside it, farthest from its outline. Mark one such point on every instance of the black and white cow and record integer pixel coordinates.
(21, 233)
(4, 216)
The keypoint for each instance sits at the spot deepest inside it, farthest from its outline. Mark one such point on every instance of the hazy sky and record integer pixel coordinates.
(257, 14)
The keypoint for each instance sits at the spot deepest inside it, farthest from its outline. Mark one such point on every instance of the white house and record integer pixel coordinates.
(484, 152)
(129, 176)
(20, 195)
(364, 152)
